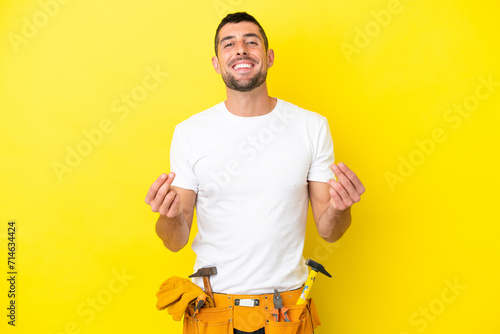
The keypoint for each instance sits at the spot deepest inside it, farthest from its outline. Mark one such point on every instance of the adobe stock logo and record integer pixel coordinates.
(31, 27)
(420, 320)
(122, 107)
(224, 7)
(97, 302)
(455, 116)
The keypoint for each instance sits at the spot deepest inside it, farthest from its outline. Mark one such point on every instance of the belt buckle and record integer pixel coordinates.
(246, 302)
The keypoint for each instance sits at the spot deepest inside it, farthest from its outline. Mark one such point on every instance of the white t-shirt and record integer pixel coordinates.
(251, 175)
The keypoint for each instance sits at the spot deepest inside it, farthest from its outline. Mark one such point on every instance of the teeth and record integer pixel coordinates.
(242, 66)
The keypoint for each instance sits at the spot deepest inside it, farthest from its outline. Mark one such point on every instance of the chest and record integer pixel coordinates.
(241, 158)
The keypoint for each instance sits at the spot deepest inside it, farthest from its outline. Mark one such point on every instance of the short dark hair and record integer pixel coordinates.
(237, 18)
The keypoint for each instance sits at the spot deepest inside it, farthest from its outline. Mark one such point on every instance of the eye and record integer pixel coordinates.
(252, 42)
(228, 44)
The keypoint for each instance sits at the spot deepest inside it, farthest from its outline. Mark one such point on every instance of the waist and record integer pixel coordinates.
(263, 301)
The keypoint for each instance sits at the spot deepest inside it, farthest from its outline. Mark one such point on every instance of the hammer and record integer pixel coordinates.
(315, 267)
(206, 272)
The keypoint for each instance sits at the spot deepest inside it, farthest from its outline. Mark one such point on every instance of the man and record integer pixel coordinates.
(251, 165)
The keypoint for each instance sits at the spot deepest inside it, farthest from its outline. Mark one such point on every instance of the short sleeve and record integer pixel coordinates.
(323, 156)
(180, 152)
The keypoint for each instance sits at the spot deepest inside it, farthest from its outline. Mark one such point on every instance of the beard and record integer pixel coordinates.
(244, 85)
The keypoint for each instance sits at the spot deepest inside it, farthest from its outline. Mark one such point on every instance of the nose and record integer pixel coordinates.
(241, 49)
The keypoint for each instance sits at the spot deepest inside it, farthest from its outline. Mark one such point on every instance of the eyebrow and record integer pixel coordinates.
(250, 34)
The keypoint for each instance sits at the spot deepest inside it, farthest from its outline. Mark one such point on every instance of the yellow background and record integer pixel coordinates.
(417, 230)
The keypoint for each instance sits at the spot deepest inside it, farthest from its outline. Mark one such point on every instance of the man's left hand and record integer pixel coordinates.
(347, 190)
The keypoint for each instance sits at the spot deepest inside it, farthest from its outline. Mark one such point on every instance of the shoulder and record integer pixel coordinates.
(303, 115)
(201, 119)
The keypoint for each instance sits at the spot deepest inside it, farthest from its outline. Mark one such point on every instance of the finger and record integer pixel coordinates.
(336, 200)
(154, 187)
(346, 183)
(339, 191)
(331, 182)
(334, 169)
(170, 178)
(174, 207)
(360, 188)
(159, 198)
(167, 202)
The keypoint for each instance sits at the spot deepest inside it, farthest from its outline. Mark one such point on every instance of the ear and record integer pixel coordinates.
(215, 63)
(270, 58)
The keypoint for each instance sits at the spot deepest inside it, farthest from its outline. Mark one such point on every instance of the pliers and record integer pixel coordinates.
(202, 298)
(278, 308)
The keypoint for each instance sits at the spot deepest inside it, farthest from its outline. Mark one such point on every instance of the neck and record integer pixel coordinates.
(256, 102)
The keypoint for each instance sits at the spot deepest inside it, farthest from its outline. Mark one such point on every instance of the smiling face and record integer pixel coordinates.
(242, 58)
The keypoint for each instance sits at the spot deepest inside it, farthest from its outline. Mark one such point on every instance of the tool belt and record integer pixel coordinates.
(249, 313)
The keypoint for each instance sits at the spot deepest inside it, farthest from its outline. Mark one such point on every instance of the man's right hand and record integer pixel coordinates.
(163, 198)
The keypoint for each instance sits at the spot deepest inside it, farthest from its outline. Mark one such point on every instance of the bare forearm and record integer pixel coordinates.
(334, 223)
(174, 232)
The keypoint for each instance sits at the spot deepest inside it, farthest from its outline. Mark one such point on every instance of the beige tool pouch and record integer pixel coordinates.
(303, 320)
(249, 313)
(213, 320)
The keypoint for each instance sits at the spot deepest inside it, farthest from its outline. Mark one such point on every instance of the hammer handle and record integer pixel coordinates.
(208, 288)
(307, 287)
